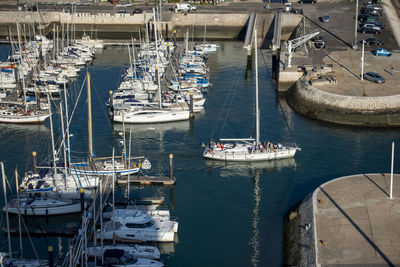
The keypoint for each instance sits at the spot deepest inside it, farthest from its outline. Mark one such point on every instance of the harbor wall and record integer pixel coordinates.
(299, 234)
(216, 26)
(382, 111)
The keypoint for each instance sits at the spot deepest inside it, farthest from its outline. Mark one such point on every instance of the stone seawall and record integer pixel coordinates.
(299, 235)
(349, 110)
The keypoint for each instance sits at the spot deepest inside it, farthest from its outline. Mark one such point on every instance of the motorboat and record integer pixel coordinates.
(159, 216)
(139, 227)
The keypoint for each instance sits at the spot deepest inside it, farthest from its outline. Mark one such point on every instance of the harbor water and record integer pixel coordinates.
(229, 214)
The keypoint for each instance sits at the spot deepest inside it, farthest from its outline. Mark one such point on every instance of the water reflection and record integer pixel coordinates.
(24, 128)
(255, 240)
(150, 130)
(245, 169)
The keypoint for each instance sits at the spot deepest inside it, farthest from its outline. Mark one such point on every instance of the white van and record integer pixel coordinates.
(184, 7)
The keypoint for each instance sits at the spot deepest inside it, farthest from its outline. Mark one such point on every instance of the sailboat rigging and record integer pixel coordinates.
(248, 149)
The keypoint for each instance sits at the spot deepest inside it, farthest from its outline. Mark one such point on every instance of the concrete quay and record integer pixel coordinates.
(336, 94)
(347, 221)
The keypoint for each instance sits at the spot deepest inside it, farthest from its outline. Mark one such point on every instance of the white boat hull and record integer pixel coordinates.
(138, 235)
(157, 116)
(104, 172)
(232, 155)
(23, 119)
(45, 211)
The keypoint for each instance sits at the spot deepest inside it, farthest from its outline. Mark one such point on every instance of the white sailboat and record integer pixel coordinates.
(43, 206)
(7, 259)
(152, 114)
(248, 149)
(99, 166)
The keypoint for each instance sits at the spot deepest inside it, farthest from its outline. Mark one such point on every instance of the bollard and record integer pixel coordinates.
(191, 113)
(34, 162)
(171, 166)
(51, 258)
(112, 104)
(82, 193)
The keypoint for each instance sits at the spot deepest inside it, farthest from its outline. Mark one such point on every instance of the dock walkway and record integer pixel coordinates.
(147, 180)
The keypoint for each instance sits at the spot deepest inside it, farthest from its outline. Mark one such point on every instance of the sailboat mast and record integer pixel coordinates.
(19, 214)
(6, 206)
(52, 140)
(20, 62)
(157, 67)
(67, 126)
(64, 146)
(89, 102)
(257, 104)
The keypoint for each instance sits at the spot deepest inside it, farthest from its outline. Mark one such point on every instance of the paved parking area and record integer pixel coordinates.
(339, 36)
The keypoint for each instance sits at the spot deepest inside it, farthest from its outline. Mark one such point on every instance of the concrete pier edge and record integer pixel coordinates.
(380, 111)
(306, 213)
(314, 204)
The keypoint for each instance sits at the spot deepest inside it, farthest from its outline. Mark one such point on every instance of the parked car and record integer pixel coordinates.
(325, 18)
(307, 1)
(373, 77)
(377, 24)
(137, 11)
(371, 7)
(297, 10)
(383, 52)
(370, 29)
(371, 25)
(367, 17)
(184, 7)
(371, 11)
(373, 41)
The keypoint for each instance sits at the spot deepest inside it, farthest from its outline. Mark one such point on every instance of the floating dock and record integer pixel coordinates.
(147, 180)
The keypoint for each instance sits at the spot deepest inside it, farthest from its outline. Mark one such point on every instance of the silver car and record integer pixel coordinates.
(373, 77)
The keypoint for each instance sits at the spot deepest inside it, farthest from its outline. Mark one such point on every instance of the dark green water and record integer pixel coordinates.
(229, 215)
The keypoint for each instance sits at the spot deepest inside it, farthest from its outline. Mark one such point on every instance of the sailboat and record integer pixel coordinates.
(152, 114)
(8, 259)
(11, 112)
(100, 166)
(248, 149)
(206, 47)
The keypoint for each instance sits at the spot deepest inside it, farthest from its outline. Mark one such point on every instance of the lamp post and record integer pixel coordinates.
(355, 27)
(362, 60)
